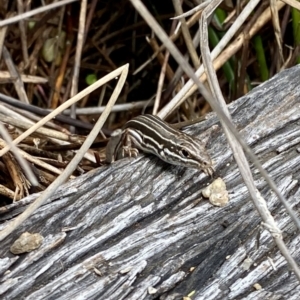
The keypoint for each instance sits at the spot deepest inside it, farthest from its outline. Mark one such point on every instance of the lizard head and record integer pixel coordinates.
(196, 156)
(189, 152)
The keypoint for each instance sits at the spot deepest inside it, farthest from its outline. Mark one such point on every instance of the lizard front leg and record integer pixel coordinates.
(121, 144)
(128, 144)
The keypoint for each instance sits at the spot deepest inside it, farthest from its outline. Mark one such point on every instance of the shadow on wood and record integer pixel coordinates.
(140, 229)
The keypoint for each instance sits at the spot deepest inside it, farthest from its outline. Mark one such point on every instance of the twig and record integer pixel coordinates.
(73, 164)
(233, 141)
(117, 108)
(173, 37)
(34, 12)
(80, 38)
(160, 57)
(277, 31)
(292, 3)
(162, 75)
(89, 17)
(56, 50)
(65, 105)
(23, 163)
(190, 87)
(79, 111)
(192, 11)
(186, 35)
(44, 131)
(2, 38)
(22, 29)
(160, 83)
(43, 112)
(5, 76)
(34, 160)
(63, 65)
(18, 83)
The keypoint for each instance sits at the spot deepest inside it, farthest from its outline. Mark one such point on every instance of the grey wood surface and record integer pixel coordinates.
(124, 229)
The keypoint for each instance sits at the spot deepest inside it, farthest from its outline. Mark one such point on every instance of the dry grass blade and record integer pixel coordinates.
(174, 36)
(20, 182)
(65, 105)
(292, 3)
(34, 12)
(214, 104)
(43, 131)
(23, 163)
(5, 76)
(80, 39)
(192, 11)
(186, 35)
(73, 164)
(277, 30)
(34, 160)
(4, 191)
(2, 38)
(237, 150)
(14, 73)
(116, 108)
(160, 83)
(22, 29)
(39, 111)
(190, 87)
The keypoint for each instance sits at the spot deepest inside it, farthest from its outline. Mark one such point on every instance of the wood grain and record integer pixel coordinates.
(140, 223)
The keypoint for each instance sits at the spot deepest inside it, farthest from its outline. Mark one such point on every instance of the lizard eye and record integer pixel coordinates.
(185, 153)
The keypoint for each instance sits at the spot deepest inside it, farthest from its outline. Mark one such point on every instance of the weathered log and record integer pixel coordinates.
(140, 229)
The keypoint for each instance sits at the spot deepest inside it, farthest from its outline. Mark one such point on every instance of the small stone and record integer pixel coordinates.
(152, 290)
(98, 272)
(257, 286)
(216, 192)
(27, 242)
(247, 263)
(126, 270)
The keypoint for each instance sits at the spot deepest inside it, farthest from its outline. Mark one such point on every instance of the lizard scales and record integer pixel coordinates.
(152, 135)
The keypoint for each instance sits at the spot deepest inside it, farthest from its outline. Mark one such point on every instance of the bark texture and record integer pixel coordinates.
(140, 229)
